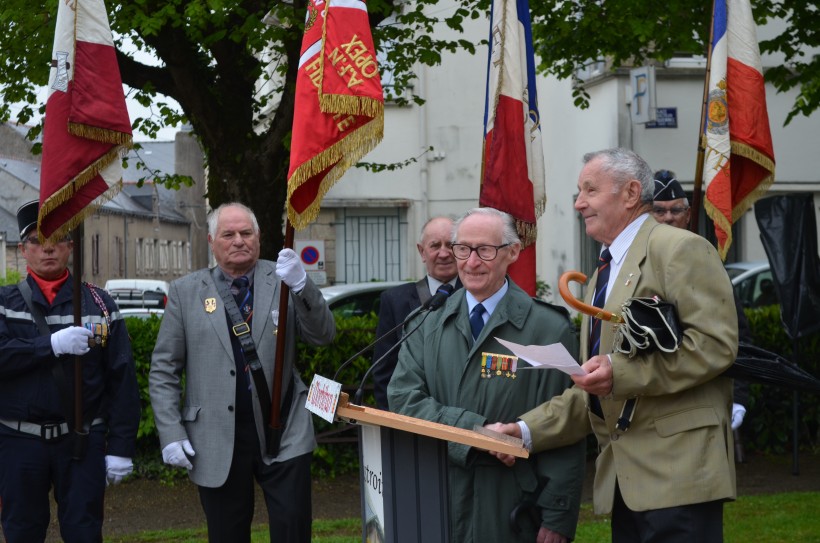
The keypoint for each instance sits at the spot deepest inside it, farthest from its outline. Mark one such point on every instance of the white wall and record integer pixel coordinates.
(447, 180)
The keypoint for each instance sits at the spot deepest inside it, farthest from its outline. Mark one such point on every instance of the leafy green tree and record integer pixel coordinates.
(569, 35)
(231, 64)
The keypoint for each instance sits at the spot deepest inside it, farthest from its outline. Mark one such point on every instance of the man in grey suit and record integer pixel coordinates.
(217, 429)
(662, 419)
(398, 302)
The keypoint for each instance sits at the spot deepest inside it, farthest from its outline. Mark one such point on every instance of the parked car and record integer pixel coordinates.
(141, 293)
(141, 312)
(753, 283)
(356, 299)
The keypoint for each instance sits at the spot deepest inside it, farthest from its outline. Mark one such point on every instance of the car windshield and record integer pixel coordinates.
(734, 272)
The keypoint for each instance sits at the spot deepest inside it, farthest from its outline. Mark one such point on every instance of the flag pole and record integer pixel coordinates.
(80, 433)
(275, 423)
(697, 190)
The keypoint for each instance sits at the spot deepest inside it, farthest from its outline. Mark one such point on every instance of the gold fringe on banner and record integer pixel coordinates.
(721, 221)
(352, 105)
(745, 151)
(341, 155)
(527, 231)
(102, 135)
(63, 195)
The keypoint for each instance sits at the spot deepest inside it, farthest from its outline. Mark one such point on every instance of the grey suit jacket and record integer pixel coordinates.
(678, 449)
(194, 340)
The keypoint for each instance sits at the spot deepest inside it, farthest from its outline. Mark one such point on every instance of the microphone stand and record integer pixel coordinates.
(357, 397)
(407, 319)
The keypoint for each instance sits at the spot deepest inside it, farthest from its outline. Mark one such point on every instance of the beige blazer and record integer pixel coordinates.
(678, 449)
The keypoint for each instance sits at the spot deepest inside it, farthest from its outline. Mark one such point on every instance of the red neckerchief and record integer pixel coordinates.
(49, 288)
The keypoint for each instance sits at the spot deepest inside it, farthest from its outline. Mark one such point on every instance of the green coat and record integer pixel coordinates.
(438, 378)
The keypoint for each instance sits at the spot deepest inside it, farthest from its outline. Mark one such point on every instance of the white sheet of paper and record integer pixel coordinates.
(545, 356)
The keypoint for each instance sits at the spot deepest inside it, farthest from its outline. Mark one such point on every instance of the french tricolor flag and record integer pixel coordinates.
(87, 129)
(739, 158)
(513, 156)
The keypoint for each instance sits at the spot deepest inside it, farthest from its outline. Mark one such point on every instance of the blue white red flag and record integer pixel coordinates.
(513, 157)
(87, 129)
(739, 157)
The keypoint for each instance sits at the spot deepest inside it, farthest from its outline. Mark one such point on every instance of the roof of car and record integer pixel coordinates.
(750, 265)
(337, 291)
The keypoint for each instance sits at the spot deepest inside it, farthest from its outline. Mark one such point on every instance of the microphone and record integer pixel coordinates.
(429, 306)
(438, 299)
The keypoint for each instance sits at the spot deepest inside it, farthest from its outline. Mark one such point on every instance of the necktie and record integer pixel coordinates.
(243, 297)
(598, 300)
(477, 320)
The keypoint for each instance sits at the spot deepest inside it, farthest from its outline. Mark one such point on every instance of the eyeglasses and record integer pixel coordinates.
(675, 211)
(34, 240)
(484, 252)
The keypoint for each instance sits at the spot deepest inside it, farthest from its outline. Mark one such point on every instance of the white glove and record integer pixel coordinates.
(289, 269)
(117, 468)
(71, 340)
(738, 412)
(174, 454)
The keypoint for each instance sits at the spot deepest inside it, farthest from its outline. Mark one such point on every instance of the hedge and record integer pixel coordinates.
(767, 427)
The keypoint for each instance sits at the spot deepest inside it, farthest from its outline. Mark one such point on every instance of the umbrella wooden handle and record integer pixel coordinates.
(575, 303)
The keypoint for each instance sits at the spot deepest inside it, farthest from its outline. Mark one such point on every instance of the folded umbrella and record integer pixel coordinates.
(661, 330)
(643, 325)
(761, 366)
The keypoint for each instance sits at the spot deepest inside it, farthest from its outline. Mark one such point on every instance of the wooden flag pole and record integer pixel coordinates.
(275, 423)
(80, 433)
(697, 190)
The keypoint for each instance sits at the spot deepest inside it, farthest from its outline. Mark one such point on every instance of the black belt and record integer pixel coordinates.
(49, 431)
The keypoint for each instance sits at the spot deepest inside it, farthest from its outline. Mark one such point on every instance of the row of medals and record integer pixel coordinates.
(499, 364)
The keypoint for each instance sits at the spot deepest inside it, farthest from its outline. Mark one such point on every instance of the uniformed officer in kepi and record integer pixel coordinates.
(38, 348)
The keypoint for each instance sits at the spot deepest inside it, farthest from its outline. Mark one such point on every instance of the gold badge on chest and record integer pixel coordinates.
(210, 305)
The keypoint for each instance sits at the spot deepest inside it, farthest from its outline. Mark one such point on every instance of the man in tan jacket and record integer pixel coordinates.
(662, 420)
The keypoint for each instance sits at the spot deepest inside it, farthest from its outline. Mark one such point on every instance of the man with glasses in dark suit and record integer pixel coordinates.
(398, 302)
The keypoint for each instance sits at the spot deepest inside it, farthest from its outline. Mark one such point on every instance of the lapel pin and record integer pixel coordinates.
(210, 305)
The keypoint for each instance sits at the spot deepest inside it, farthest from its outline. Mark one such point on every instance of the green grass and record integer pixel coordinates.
(771, 518)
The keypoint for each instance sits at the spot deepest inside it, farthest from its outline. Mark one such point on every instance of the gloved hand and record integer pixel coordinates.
(738, 412)
(174, 453)
(289, 269)
(71, 340)
(117, 468)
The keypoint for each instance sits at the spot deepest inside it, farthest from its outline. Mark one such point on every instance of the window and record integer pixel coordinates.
(164, 256)
(119, 257)
(95, 254)
(370, 247)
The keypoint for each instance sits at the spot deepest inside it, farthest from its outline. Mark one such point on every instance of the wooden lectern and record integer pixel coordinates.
(404, 472)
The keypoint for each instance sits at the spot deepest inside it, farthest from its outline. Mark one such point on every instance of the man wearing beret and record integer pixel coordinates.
(39, 346)
(670, 205)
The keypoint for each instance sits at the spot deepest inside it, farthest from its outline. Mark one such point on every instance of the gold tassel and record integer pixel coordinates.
(102, 135)
(341, 156)
(63, 195)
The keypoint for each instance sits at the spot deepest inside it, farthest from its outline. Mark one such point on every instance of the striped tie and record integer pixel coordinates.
(595, 326)
(599, 300)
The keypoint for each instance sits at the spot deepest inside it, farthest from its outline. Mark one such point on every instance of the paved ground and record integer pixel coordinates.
(145, 505)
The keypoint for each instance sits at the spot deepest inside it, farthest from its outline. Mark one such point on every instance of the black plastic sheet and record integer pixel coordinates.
(758, 365)
(788, 231)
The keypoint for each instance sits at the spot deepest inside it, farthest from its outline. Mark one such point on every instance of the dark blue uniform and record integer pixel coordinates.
(35, 453)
